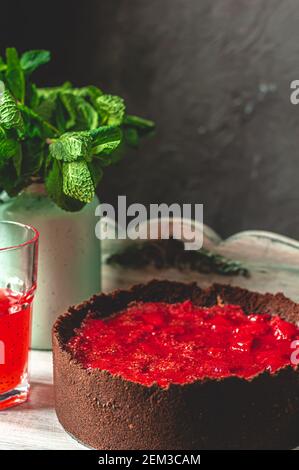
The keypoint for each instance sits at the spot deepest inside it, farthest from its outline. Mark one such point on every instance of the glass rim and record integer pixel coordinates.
(28, 227)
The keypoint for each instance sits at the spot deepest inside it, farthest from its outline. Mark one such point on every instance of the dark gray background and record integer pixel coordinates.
(214, 75)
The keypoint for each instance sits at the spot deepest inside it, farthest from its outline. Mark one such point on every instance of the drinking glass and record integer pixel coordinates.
(18, 270)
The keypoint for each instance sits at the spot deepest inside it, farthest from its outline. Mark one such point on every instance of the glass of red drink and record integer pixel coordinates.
(18, 270)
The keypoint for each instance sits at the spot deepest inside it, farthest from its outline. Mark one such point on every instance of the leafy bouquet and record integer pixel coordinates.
(62, 136)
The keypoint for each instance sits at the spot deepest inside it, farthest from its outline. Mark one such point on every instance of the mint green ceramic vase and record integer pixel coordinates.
(69, 255)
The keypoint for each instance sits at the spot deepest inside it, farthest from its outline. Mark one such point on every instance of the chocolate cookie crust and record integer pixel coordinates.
(107, 412)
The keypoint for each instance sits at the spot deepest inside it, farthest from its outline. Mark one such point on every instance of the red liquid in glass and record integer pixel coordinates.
(15, 316)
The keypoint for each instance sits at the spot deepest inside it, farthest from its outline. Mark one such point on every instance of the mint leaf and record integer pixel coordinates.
(88, 92)
(70, 146)
(10, 116)
(77, 181)
(80, 114)
(140, 123)
(14, 74)
(69, 102)
(8, 149)
(87, 116)
(47, 92)
(105, 139)
(111, 109)
(31, 60)
(49, 105)
(60, 118)
(46, 108)
(54, 187)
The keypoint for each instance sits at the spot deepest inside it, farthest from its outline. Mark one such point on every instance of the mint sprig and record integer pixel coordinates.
(31, 60)
(63, 136)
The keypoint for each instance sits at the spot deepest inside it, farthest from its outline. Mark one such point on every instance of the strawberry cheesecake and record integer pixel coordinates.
(172, 366)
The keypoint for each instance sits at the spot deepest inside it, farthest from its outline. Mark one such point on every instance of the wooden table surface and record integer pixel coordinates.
(34, 425)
